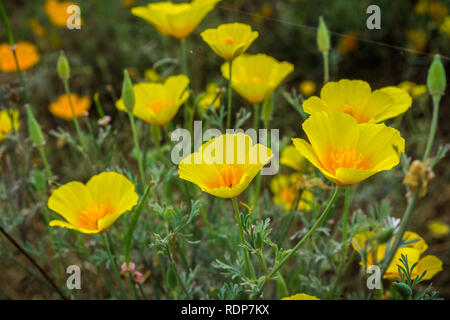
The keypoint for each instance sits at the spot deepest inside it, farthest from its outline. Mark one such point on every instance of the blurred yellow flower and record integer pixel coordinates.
(229, 40)
(61, 107)
(225, 166)
(445, 26)
(418, 39)
(414, 89)
(290, 157)
(93, 207)
(421, 7)
(175, 19)
(151, 75)
(365, 242)
(255, 77)
(158, 103)
(307, 88)
(438, 229)
(356, 98)
(37, 27)
(347, 152)
(57, 12)
(265, 12)
(437, 10)
(348, 43)
(211, 95)
(128, 3)
(26, 52)
(286, 187)
(9, 121)
(301, 296)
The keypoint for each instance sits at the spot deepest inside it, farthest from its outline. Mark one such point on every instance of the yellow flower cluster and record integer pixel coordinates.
(365, 244)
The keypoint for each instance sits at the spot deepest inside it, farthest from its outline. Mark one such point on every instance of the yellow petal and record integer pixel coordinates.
(301, 296)
(70, 199)
(354, 93)
(64, 224)
(401, 102)
(314, 105)
(431, 264)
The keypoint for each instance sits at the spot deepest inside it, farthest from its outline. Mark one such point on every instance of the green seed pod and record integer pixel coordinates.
(258, 241)
(34, 129)
(436, 80)
(404, 290)
(384, 235)
(127, 91)
(63, 66)
(171, 278)
(323, 37)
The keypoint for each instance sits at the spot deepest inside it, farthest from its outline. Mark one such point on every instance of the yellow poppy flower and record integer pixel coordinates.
(255, 77)
(175, 19)
(210, 97)
(438, 229)
(225, 166)
(57, 12)
(27, 56)
(285, 187)
(307, 88)
(365, 241)
(158, 103)
(151, 75)
(356, 98)
(93, 207)
(61, 107)
(229, 40)
(290, 157)
(347, 152)
(445, 26)
(301, 296)
(9, 121)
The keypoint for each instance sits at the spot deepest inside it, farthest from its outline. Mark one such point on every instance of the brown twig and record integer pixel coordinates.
(44, 274)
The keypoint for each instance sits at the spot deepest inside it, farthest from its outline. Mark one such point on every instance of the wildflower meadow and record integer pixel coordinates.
(224, 150)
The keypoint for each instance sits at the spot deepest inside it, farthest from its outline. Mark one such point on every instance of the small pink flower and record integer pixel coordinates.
(131, 266)
(104, 121)
(138, 277)
(331, 221)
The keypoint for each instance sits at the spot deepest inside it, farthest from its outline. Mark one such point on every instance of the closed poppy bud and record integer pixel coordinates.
(404, 290)
(171, 278)
(127, 91)
(384, 235)
(34, 129)
(436, 80)
(323, 37)
(63, 66)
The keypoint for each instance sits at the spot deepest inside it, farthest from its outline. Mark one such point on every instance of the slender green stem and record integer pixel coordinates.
(46, 164)
(316, 224)
(345, 215)
(184, 65)
(433, 128)
(133, 286)
(107, 244)
(249, 267)
(412, 201)
(326, 67)
(74, 116)
(256, 117)
(138, 149)
(266, 271)
(230, 91)
(180, 281)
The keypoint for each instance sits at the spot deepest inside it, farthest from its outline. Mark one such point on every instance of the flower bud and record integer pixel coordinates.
(34, 129)
(384, 235)
(127, 91)
(323, 37)
(63, 66)
(171, 278)
(436, 80)
(404, 290)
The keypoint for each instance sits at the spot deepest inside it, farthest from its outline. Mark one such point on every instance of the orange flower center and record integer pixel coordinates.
(229, 41)
(360, 118)
(345, 158)
(158, 105)
(256, 80)
(230, 176)
(4, 128)
(88, 218)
